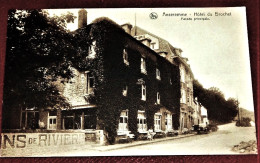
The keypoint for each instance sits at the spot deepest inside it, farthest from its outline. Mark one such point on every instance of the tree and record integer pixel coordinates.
(219, 109)
(38, 54)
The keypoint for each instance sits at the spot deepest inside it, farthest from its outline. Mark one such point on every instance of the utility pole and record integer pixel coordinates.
(239, 118)
(135, 25)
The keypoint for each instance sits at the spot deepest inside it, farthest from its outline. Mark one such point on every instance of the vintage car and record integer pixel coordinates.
(200, 128)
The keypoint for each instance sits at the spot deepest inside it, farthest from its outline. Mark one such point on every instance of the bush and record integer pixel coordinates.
(213, 127)
(160, 135)
(244, 122)
(172, 133)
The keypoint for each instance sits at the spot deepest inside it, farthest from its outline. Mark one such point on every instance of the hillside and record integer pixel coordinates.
(247, 113)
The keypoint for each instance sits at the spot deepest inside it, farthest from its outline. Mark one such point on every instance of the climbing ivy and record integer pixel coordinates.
(111, 75)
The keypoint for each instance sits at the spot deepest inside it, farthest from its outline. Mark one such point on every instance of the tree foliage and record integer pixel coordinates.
(38, 53)
(219, 109)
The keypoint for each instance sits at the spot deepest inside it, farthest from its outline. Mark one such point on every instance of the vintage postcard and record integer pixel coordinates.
(132, 81)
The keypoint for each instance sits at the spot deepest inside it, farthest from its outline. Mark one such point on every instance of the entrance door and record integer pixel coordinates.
(52, 122)
(141, 122)
(168, 121)
(123, 121)
(157, 122)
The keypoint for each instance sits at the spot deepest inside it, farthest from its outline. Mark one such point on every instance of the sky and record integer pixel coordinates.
(216, 45)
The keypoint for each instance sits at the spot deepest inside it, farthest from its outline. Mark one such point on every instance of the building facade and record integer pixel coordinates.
(174, 56)
(127, 81)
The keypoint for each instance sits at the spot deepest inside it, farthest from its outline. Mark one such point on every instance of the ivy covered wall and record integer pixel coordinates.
(111, 75)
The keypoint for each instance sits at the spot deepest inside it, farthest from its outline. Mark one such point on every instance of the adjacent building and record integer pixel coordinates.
(204, 116)
(173, 55)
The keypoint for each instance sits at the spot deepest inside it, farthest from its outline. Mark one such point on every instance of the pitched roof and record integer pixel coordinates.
(164, 45)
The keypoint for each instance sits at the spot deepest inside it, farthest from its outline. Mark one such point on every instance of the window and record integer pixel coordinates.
(168, 121)
(89, 121)
(123, 121)
(90, 83)
(188, 96)
(125, 90)
(158, 75)
(152, 45)
(158, 98)
(182, 74)
(29, 119)
(143, 92)
(183, 96)
(91, 50)
(68, 122)
(125, 57)
(143, 66)
(141, 121)
(157, 121)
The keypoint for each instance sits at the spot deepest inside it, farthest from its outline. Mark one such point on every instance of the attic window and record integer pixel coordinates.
(152, 45)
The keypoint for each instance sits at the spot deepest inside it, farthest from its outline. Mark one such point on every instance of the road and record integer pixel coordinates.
(220, 142)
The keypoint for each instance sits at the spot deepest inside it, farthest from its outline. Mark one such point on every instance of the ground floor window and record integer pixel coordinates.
(68, 122)
(123, 121)
(29, 119)
(141, 121)
(90, 121)
(157, 121)
(79, 119)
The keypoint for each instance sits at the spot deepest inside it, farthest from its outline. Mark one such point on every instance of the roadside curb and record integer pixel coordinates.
(122, 146)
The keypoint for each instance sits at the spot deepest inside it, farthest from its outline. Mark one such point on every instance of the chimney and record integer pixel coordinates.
(82, 18)
(127, 27)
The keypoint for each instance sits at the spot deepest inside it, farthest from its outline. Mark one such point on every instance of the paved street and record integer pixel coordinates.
(219, 142)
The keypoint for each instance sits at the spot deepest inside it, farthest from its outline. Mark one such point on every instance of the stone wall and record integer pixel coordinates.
(50, 139)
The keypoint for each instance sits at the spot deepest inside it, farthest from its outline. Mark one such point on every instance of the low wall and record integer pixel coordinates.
(33, 140)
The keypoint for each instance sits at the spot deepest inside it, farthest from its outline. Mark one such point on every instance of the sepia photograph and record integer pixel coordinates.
(127, 82)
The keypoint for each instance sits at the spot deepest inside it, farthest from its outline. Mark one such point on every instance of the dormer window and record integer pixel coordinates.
(152, 45)
(125, 57)
(158, 98)
(91, 50)
(158, 75)
(125, 90)
(143, 66)
(143, 92)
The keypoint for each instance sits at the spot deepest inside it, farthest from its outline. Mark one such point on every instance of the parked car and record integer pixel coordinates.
(201, 128)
